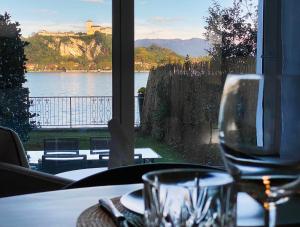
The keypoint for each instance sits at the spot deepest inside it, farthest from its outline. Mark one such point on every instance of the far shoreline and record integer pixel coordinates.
(82, 71)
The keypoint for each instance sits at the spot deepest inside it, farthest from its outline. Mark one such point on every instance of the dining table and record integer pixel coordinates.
(63, 207)
(55, 208)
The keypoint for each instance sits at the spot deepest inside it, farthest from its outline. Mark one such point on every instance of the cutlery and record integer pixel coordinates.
(118, 218)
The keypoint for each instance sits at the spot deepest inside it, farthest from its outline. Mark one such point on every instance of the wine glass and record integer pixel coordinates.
(251, 150)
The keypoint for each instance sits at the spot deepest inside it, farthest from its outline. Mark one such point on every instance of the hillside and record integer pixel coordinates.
(92, 52)
(194, 47)
(153, 56)
(74, 53)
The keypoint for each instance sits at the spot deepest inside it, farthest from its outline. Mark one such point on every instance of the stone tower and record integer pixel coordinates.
(89, 30)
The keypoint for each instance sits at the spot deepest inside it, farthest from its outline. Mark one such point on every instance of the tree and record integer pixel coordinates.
(14, 102)
(187, 62)
(232, 32)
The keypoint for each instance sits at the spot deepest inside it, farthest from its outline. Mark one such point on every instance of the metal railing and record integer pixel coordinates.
(74, 111)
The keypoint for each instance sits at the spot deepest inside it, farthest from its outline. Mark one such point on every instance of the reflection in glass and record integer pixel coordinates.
(260, 169)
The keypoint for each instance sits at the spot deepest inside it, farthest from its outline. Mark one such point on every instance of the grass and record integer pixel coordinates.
(168, 153)
(37, 137)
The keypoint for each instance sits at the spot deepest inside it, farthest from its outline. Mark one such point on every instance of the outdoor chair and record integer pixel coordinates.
(61, 146)
(129, 174)
(62, 162)
(99, 143)
(138, 159)
(16, 177)
(11, 148)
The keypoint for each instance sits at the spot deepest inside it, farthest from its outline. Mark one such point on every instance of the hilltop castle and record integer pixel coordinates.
(90, 30)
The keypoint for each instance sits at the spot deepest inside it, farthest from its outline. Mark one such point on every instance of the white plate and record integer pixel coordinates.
(249, 211)
(134, 201)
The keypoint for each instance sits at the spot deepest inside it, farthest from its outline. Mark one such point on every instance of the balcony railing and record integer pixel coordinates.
(74, 112)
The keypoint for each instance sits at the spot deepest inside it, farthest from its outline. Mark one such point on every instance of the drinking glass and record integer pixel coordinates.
(189, 197)
(248, 143)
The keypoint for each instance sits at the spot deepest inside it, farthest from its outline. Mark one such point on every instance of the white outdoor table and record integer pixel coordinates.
(80, 173)
(147, 154)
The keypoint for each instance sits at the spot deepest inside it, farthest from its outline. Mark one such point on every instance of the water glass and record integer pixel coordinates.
(189, 197)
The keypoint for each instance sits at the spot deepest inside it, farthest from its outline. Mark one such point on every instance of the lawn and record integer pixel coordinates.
(36, 141)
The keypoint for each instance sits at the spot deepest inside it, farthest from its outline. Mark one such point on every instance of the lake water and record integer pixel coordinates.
(76, 84)
(53, 112)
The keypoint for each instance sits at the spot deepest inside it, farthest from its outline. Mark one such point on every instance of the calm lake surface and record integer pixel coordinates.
(76, 84)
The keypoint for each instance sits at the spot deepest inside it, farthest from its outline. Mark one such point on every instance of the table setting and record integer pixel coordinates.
(129, 209)
(259, 181)
(259, 186)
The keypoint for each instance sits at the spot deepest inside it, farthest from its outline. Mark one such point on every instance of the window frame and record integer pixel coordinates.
(123, 80)
(272, 71)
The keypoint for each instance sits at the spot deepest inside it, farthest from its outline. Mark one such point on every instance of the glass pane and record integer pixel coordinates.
(56, 80)
(185, 50)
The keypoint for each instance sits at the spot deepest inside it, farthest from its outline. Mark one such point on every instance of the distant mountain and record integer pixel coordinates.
(195, 47)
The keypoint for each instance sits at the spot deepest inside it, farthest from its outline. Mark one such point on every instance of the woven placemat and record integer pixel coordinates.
(94, 216)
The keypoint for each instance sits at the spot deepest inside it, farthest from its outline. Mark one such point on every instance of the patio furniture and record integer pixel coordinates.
(137, 158)
(62, 162)
(129, 174)
(18, 180)
(11, 148)
(98, 144)
(147, 153)
(16, 177)
(61, 146)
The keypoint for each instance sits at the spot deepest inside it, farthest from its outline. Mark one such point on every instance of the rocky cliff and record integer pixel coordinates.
(78, 48)
(77, 52)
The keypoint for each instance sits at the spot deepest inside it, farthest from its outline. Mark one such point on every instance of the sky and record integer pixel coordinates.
(166, 19)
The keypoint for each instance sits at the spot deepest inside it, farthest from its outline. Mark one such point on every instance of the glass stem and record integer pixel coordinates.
(270, 214)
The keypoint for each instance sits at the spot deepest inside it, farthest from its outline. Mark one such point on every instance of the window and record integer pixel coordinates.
(62, 109)
(188, 48)
(183, 53)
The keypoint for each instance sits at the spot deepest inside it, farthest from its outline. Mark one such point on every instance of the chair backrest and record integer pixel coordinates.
(61, 146)
(17, 180)
(99, 143)
(11, 148)
(130, 174)
(103, 158)
(138, 159)
(62, 162)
